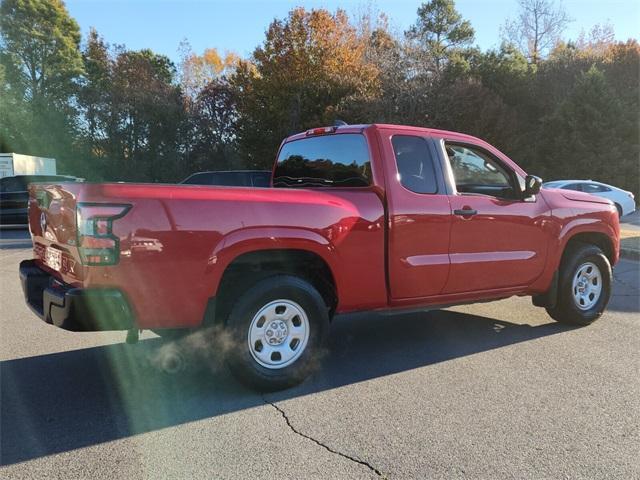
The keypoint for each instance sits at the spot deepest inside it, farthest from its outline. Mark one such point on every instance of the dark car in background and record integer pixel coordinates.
(14, 197)
(231, 178)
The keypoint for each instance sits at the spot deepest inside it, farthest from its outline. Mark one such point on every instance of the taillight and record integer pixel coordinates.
(321, 131)
(97, 244)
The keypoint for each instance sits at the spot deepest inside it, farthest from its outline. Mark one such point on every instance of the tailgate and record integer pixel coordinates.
(52, 222)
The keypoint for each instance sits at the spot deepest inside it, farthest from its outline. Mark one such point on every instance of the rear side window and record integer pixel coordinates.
(340, 160)
(224, 179)
(415, 164)
(199, 179)
(594, 188)
(261, 179)
(230, 179)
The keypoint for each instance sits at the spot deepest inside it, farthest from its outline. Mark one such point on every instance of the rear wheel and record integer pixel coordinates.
(278, 330)
(584, 286)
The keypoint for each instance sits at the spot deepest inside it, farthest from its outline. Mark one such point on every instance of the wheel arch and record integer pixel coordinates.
(547, 296)
(250, 266)
(597, 238)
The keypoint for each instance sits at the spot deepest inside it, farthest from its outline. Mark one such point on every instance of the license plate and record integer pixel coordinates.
(53, 258)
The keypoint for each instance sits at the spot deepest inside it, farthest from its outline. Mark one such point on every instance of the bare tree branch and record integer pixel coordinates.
(537, 28)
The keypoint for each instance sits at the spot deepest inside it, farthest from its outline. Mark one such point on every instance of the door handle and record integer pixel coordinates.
(465, 212)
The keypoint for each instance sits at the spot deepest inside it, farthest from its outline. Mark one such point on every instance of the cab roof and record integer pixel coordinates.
(359, 128)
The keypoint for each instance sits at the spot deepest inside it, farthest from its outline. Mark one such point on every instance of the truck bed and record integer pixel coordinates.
(176, 240)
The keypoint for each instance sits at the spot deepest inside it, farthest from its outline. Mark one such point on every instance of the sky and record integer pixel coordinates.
(239, 25)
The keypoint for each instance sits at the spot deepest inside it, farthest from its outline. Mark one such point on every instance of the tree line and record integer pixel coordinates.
(561, 108)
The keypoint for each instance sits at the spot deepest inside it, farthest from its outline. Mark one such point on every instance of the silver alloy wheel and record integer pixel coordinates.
(278, 334)
(587, 285)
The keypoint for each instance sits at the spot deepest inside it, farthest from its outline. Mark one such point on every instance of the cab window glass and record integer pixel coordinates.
(416, 171)
(324, 161)
(475, 172)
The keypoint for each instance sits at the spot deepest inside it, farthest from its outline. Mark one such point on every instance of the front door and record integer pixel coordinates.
(498, 239)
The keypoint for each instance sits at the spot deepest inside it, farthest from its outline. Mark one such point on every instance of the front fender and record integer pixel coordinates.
(567, 230)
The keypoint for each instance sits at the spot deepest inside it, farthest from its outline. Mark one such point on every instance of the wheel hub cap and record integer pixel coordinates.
(278, 334)
(587, 285)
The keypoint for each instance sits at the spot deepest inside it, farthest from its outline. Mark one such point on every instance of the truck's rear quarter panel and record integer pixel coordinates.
(176, 241)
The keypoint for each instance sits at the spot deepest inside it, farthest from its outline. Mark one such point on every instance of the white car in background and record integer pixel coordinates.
(624, 201)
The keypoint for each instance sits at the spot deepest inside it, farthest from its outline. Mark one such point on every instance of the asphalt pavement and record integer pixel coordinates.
(495, 390)
(631, 222)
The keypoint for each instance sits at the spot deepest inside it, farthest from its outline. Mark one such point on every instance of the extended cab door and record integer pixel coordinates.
(498, 238)
(419, 215)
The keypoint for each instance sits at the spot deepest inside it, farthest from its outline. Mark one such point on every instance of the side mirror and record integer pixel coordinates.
(532, 185)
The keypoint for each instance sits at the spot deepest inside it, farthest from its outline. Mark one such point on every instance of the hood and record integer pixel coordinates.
(584, 197)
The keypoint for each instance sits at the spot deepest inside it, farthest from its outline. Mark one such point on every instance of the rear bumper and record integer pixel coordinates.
(74, 309)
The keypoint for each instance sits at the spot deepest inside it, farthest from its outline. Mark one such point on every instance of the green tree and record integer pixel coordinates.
(504, 71)
(133, 114)
(502, 80)
(584, 135)
(146, 116)
(440, 32)
(40, 48)
(309, 66)
(11, 117)
(39, 51)
(95, 86)
(466, 105)
(210, 134)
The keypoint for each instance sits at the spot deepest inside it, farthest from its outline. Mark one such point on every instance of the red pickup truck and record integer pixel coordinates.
(363, 217)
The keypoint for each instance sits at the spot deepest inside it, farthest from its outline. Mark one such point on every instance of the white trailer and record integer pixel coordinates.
(17, 164)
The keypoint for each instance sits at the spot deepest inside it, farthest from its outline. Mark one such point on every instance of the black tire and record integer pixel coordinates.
(619, 208)
(239, 357)
(566, 309)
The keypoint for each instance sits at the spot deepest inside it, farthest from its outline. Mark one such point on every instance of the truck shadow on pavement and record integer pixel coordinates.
(64, 401)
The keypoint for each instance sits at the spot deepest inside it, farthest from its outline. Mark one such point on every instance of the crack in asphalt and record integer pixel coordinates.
(317, 442)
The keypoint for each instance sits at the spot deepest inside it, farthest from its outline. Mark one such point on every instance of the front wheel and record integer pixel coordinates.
(278, 329)
(584, 286)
